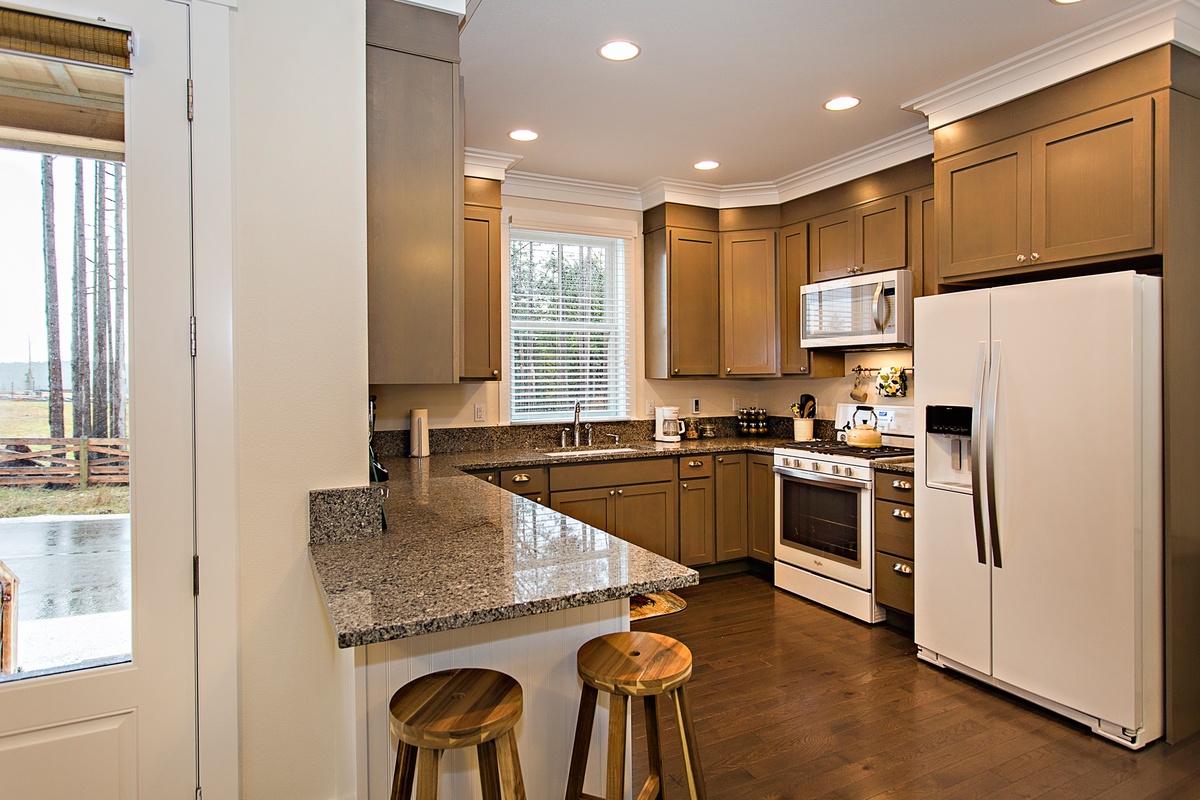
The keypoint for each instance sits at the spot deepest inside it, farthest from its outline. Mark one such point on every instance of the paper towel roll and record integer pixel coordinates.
(418, 433)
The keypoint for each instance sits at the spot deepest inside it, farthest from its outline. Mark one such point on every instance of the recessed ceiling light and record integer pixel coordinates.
(1063, 2)
(707, 164)
(522, 135)
(842, 103)
(619, 50)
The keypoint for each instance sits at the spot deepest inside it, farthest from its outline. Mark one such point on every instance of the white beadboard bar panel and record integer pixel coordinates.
(539, 651)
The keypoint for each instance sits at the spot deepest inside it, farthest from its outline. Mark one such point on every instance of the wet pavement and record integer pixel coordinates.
(68, 566)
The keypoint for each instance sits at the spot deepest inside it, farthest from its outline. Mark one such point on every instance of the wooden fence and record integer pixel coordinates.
(8, 620)
(78, 462)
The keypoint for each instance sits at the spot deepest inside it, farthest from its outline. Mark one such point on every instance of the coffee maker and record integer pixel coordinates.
(667, 425)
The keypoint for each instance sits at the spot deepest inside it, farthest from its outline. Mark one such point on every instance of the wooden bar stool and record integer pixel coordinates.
(457, 708)
(633, 664)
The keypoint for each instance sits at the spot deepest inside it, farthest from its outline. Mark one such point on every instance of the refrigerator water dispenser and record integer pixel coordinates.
(948, 448)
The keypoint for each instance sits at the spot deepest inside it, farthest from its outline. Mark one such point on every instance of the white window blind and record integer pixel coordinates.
(568, 325)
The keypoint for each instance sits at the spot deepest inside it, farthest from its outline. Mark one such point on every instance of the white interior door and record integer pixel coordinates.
(128, 730)
(1067, 599)
(952, 588)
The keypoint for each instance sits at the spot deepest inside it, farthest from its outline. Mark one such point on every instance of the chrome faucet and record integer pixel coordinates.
(578, 408)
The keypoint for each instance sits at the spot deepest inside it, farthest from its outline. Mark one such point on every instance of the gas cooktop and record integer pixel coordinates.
(841, 448)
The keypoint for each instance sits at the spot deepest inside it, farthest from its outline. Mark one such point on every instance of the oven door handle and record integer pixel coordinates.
(815, 478)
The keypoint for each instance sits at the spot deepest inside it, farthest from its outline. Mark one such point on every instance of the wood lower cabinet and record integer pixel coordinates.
(1076, 191)
(760, 507)
(894, 520)
(697, 522)
(731, 511)
(867, 238)
(481, 310)
(748, 305)
(637, 500)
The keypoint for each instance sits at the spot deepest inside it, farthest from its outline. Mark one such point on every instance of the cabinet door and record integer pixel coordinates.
(694, 301)
(760, 505)
(747, 268)
(590, 506)
(731, 507)
(1093, 184)
(881, 234)
(481, 294)
(982, 200)
(697, 537)
(648, 515)
(922, 241)
(831, 246)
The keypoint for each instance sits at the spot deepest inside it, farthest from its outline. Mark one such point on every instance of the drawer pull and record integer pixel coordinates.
(903, 486)
(695, 463)
(521, 477)
(903, 569)
(901, 513)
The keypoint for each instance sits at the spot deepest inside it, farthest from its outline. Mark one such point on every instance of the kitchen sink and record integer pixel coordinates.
(606, 451)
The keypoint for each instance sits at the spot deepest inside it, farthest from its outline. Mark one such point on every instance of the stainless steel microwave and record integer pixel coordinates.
(869, 310)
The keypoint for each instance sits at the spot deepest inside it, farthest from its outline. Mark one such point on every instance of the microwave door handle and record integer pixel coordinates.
(981, 370)
(881, 313)
(994, 398)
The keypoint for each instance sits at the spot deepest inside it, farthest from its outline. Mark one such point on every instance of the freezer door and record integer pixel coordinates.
(1075, 416)
(952, 587)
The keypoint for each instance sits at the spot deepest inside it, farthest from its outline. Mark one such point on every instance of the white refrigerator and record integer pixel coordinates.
(1038, 520)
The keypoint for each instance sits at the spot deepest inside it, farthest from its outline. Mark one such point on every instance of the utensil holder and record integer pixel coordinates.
(802, 429)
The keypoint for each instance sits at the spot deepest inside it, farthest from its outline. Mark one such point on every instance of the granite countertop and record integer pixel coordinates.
(502, 459)
(902, 465)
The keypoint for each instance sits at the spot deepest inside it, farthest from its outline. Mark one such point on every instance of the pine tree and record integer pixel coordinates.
(81, 404)
(53, 343)
(117, 382)
(100, 304)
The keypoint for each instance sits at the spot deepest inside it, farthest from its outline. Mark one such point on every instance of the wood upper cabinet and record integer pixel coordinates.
(760, 507)
(1078, 190)
(866, 238)
(748, 304)
(414, 194)
(793, 273)
(922, 241)
(682, 296)
(730, 471)
(481, 356)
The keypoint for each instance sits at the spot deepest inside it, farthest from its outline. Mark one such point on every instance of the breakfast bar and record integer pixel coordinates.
(469, 575)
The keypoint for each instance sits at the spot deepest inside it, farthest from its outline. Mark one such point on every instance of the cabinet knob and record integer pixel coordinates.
(850, 270)
(720, 459)
(675, 371)
(804, 369)
(684, 485)
(495, 373)
(490, 478)
(901, 513)
(728, 370)
(611, 492)
(1021, 259)
(621, 492)
(539, 499)
(1033, 256)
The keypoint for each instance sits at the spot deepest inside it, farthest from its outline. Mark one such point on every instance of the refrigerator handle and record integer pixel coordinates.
(977, 451)
(994, 398)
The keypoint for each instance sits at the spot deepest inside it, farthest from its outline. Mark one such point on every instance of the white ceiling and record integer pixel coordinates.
(738, 81)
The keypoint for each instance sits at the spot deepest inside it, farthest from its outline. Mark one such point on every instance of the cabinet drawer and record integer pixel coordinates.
(894, 582)
(612, 473)
(891, 486)
(525, 480)
(894, 528)
(695, 467)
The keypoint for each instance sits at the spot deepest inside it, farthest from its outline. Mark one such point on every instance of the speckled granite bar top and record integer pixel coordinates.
(903, 465)
(460, 552)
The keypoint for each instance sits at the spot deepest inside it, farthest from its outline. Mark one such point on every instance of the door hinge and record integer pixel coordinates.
(195, 576)
(192, 334)
(191, 100)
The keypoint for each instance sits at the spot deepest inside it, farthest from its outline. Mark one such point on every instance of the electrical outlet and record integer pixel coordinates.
(480, 415)
(649, 408)
(737, 403)
(695, 405)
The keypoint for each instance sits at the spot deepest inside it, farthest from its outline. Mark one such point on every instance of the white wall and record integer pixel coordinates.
(453, 405)
(299, 106)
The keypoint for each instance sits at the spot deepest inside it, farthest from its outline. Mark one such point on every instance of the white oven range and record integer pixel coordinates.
(824, 512)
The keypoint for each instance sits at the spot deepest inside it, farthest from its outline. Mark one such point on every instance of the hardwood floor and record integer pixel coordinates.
(791, 700)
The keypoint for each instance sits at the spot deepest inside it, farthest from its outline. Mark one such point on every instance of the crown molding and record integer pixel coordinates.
(571, 190)
(490, 164)
(708, 195)
(889, 152)
(1127, 33)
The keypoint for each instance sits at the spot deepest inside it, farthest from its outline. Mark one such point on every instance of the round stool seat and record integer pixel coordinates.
(455, 708)
(635, 663)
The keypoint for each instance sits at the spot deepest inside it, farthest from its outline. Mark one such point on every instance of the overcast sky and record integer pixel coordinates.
(22, 266)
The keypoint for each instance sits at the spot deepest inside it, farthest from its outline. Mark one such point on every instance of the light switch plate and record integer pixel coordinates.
(737, 403)
(695, 405)
(479, 413)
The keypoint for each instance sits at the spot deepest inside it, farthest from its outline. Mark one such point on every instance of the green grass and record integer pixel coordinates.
(28, 419)
(30, 501)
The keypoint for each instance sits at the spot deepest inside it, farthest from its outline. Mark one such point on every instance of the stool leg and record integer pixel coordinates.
(691, 755)
(427, 773)
(617, 715)
(583, 741)
(653, 747)
(510, 767)
(406, 770)
(489, 770)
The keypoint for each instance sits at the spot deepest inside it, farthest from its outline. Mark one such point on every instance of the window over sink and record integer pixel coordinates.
(569, 326)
